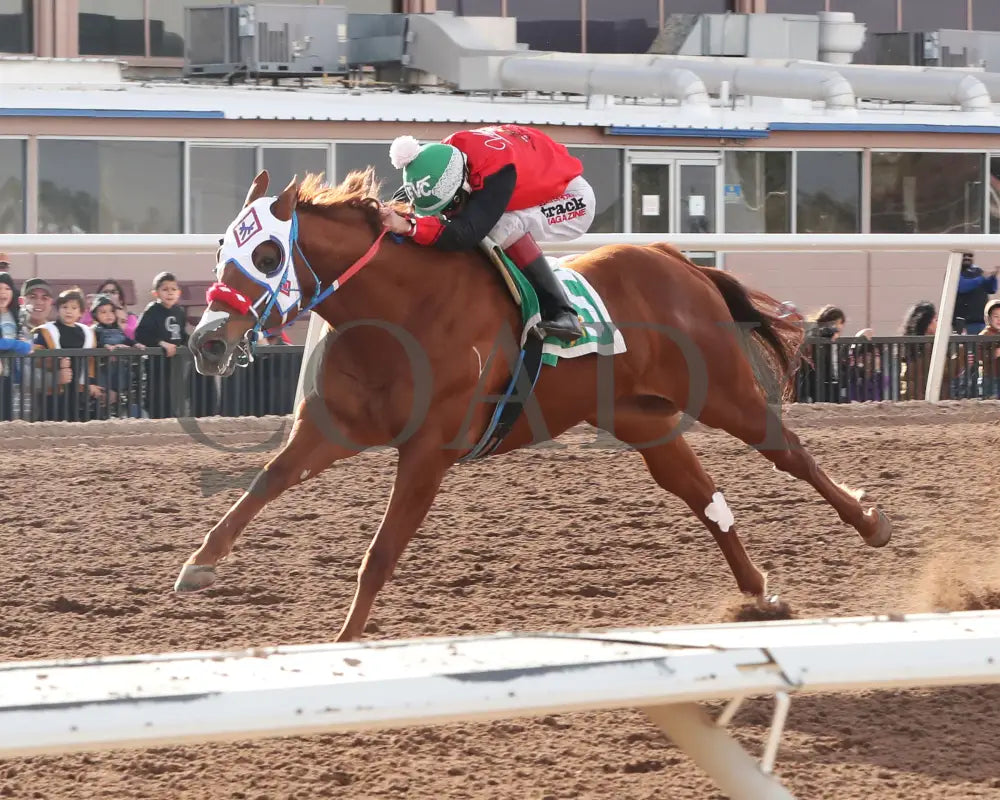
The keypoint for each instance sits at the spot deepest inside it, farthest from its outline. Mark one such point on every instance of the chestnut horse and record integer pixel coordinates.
(414, 327)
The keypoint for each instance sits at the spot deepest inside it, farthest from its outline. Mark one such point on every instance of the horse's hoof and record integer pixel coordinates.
(883, 529)
(194, 578)
(762, 608)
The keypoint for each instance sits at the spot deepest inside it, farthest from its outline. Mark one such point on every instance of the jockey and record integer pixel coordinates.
(509, 182)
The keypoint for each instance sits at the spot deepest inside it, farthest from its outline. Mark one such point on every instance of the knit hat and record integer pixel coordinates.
(36, 283)
(6, 278)
(989, 307)
(100, 300)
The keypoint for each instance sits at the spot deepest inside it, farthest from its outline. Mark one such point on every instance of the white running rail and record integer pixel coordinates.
(184, 698)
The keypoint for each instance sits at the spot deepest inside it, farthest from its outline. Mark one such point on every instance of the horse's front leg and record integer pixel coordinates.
(306, 454)
(419, 472)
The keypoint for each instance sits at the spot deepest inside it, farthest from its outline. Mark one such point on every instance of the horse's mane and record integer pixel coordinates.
(359, 190)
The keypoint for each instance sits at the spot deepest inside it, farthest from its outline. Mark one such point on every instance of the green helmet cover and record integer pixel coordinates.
(434, 177)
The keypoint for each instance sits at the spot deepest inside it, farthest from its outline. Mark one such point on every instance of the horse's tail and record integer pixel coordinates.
(776, 358)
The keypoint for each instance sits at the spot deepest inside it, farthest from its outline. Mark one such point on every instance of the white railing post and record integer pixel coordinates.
(945, 311)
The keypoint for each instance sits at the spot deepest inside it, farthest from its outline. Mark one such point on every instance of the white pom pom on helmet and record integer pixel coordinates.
(403, 150)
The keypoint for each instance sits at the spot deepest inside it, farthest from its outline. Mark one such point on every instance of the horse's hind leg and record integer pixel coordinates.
(751, 420)
(676, 468)
(307, 453)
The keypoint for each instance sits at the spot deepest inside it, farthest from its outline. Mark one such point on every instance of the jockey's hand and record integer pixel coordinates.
(393, 221)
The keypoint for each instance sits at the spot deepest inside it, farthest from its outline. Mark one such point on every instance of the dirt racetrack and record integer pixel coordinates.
(98, 518)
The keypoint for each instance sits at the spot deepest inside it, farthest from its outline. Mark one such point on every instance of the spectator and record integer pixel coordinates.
(127, 321)
(115, 373)
(974, 289)
(36, 308)
(920, 320)
(865, 380)
(828, 317)
(914, 357)
(163, 324)
(67, 396)
(991, 355)
(10, 343)
(36, 297)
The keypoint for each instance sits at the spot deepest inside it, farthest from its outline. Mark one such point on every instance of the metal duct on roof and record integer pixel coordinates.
(555, 75)
(659, 76)
(929, 85)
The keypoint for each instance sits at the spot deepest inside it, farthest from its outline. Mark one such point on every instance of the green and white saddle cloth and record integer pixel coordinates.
(600, 336)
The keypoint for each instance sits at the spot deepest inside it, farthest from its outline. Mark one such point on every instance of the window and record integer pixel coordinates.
(878, 15)
(16, 32)
(927, 192)
(166, 26)
(109, 186)
(994, 194)
(552, 25)
(985, 15)
(828, 192)
(602, 167)
(471, 8)
(220, 179)
(622, 26)
(929, 15)
(11, 186)
(756, 192)
(697, 7)
(284, 163)
(376, 154)
(112, 28)
(221, 176)
(795, 6)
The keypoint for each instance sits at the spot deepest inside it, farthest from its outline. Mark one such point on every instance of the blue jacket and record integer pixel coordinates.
(970, 284)
(14, 347)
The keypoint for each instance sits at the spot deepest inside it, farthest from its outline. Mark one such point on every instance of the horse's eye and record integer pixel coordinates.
(267, 257)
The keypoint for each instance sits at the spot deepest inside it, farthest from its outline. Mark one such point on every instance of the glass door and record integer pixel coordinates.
(675, 193)
(651, 197)
(696, 202)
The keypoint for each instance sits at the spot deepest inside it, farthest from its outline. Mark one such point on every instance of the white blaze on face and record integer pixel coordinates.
(719, 513)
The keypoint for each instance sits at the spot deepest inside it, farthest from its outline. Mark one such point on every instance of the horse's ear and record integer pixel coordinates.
(257, 188)
(283, 207)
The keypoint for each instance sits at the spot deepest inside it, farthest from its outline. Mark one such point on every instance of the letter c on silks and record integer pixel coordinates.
(719, 513)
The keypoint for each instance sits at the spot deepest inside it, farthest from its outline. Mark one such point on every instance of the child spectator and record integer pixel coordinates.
(114, 374)
(10, 344)
(127, 321)
(991, 353)
(66, 396)
(163, 324)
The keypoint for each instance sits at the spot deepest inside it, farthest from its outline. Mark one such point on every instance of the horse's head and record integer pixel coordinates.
(257, 283)
(258, 287)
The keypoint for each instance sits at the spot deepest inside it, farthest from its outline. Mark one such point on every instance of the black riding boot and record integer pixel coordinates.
(559, 318)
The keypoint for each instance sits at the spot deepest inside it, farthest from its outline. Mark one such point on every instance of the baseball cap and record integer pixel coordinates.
(36, 283)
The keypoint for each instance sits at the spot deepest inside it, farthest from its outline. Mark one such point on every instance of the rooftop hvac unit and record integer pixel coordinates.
(940, 48)
(265, 40)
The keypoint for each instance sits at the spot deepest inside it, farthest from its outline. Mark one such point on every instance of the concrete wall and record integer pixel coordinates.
(874, 290)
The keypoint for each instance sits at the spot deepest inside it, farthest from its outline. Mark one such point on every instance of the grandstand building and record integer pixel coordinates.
(770, 116)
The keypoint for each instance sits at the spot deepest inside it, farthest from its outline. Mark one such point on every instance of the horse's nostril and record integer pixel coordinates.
(213, 348)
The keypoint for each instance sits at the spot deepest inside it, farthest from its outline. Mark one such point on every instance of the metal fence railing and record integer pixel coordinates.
(895, 368)
(81, 385)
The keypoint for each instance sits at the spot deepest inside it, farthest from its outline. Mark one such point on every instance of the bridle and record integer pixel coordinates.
(241, 304)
